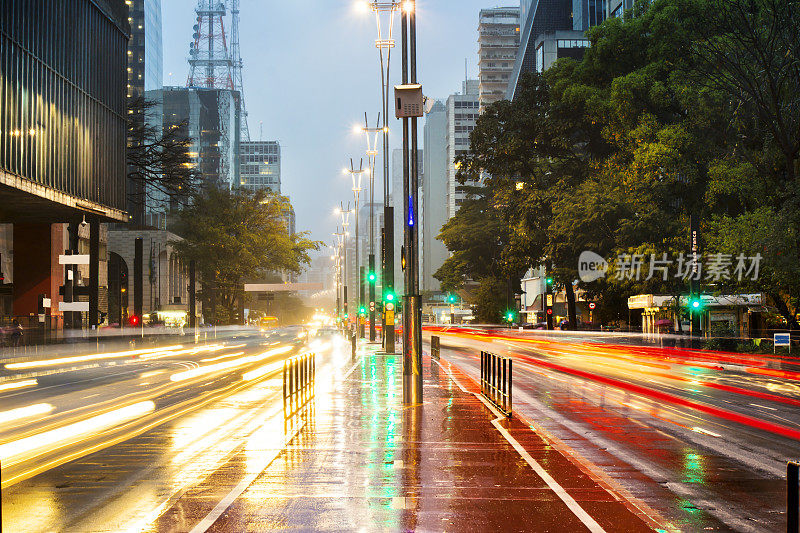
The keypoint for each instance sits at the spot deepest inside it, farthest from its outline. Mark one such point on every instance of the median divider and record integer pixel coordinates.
(496, 380)
(299, 373)
(793, 497)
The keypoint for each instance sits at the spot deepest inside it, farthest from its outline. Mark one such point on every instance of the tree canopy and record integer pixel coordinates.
(237, 237)
(684, 108)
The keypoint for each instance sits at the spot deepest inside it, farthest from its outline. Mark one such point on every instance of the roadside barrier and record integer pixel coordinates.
(299, 373)
(496, 380)
(435, 347)
(793, 497)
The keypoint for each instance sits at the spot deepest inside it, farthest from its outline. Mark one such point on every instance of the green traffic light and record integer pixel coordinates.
(372, 276)
(696, 304)
(549, 280)
(389, 297)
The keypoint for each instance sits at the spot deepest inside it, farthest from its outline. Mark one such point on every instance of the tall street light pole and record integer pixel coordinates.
(384, 43)
(345, 213)
(412, 302)
(372, 153)
(356, 176)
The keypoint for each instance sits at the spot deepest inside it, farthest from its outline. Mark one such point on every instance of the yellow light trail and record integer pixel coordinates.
(18, 384)
(85, 427)
(196, 372)
(83, 358)
(25, 412)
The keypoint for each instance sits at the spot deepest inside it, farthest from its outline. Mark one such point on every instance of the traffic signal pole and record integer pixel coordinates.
(412, 303)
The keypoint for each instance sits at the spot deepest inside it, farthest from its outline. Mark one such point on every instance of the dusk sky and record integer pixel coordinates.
(311, 71)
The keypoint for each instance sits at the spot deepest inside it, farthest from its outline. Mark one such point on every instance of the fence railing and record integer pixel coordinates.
(793, 497)
(299, 373)
(496, 380)
(436, 347)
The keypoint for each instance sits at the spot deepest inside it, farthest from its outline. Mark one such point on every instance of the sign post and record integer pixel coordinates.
(782, 339)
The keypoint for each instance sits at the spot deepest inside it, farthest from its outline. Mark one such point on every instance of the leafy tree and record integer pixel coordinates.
(237, 237)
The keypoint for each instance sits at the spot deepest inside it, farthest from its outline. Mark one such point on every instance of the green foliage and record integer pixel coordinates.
(237, 237)
(687, 107)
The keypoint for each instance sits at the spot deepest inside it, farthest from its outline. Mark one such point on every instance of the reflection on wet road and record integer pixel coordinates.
(702, 437)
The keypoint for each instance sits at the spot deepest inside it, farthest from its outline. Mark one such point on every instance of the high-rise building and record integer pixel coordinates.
(552, 29)
(498, 41)
(62, 145)
(212, 118)
(144, 68)
(462, 114)
(434, 191)
(260, 165)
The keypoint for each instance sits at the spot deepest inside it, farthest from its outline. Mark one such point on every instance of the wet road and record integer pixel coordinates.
(90, 441)
(700, 437)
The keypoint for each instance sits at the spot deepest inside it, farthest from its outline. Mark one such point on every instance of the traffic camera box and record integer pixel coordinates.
(408, 100)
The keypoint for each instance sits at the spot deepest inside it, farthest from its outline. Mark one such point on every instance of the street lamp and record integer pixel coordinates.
(356, 175)
(372, 152)
(384, 43)
(345, 214)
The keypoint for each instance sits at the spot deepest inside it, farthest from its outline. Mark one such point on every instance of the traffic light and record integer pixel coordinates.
(451, 298)
(510, 316)
(372, 277)
(695, 303)
(549, 281)
(362, 311)
(133, 320)
(389, 297)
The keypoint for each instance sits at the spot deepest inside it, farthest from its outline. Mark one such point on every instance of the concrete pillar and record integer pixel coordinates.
(32, 266)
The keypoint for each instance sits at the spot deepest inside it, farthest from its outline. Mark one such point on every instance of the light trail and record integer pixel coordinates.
(88, 427)
(208, 369)
(84, 358)
(14, 385)
(25, 412)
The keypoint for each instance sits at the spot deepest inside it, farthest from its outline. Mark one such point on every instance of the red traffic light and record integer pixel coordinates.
(133, 320)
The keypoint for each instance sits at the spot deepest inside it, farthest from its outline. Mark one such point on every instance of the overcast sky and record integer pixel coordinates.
(311, 70)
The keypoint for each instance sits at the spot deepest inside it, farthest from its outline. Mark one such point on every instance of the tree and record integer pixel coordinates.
(235, 237)
(160, 168)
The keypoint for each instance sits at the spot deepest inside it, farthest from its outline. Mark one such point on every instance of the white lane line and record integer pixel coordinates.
(237, 491)
(763, 407)
(563, 495)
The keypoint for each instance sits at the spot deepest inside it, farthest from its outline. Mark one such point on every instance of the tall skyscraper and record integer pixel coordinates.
(552, 29)
(462, 113)
(145, 73)
(434, 192)
(498, 41)
(260, 165)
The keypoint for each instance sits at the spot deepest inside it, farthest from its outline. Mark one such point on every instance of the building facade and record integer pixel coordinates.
(552, 29)
(498, 42)
(62, 145)
(260, 166)
(434, 190)
(462, 114)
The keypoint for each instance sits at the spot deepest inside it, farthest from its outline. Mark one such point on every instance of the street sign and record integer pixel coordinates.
(73, 259)
(782, 339)
(592, 305)
(549, 300)
(82, 307)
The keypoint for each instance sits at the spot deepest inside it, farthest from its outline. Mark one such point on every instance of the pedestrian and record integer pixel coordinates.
(16, 333)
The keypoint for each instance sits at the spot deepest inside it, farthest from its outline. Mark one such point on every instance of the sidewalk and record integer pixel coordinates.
(363, 461)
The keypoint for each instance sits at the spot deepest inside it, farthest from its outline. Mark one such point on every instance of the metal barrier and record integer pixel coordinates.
(793, 497)
(435, 347)
(496, 380)
(298, 381)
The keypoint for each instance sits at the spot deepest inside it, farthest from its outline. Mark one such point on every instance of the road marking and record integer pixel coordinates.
(763, 407)
(568, 500)
(237, 491)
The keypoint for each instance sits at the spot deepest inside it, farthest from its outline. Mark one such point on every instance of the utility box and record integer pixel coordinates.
(408, 100)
